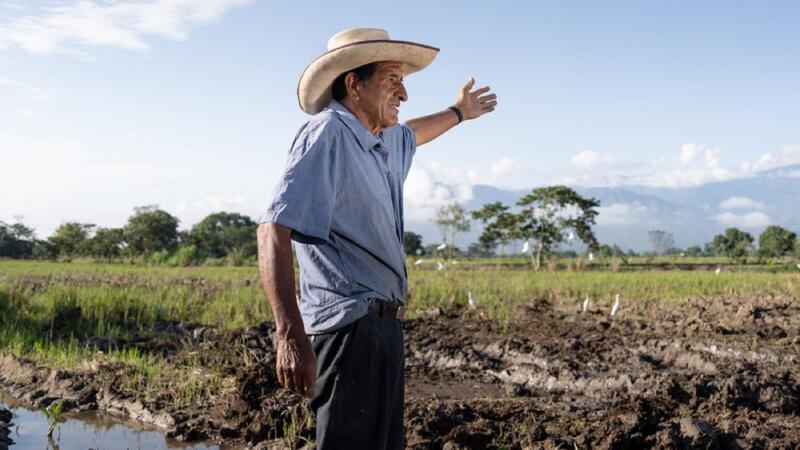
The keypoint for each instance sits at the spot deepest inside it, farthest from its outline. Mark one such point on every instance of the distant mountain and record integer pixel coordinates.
(693, 215)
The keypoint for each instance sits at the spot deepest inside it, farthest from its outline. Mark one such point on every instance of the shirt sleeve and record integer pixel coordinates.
(407, 141)
(305, 196)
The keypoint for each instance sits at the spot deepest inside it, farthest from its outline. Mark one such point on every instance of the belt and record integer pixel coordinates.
(393, 310)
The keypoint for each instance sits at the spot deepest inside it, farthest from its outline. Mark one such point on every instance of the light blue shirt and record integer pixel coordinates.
(341, 194)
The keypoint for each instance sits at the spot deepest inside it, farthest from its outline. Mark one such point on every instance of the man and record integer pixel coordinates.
(340, 199)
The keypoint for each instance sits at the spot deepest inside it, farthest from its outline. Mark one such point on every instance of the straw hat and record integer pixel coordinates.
(353, 48)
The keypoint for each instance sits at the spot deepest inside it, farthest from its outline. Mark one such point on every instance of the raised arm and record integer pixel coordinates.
(295, 361)
(472, 105)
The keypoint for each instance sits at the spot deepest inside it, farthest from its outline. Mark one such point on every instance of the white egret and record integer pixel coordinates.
(798, 267)
(586, 303)
(441, 247)
(718, 271)
(591, 256)
(439, 266)
(615, 307)
(419, 261)
(526, 248)
(471, 298)
(454, 262)
(571, 236)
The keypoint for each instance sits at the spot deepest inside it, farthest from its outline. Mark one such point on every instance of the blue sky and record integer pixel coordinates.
(191, 105)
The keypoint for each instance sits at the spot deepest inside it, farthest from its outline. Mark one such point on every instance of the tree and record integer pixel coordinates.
(222, 233)
(694, 251)
(500, 226)
(548, 213)
(149, 230)
(412, 243)
(16, 240)
(44, 249)
(608, 251)
(451, 220)
(662, 241)
(70, 238)
(734, 244)
(107, 243)
(776, 241)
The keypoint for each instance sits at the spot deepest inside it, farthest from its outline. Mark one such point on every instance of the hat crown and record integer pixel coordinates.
(354, 35)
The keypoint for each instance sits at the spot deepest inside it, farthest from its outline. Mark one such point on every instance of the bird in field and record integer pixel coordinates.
(526, 248)
(591, 256)
(454, 262)
(419, 261)
(571, 236)
(798, 266)
(615, 307)
(718, 271)
(441, 247)
(439, 266)
(585, 304)
(471, 299)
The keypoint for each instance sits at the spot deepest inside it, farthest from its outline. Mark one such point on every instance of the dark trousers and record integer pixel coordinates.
(359, 393)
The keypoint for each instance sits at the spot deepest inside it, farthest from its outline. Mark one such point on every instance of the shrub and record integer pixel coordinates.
(185, 256)
(158, 258)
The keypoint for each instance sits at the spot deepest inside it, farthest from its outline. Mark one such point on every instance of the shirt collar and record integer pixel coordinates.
(366, 139)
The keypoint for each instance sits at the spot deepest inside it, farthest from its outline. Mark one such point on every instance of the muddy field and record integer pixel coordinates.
(703, 373)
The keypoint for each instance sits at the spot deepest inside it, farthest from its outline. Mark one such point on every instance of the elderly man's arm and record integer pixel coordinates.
(296, 363)
(472, 105)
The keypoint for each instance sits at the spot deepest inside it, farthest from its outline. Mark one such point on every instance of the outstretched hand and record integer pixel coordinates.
(474, 104)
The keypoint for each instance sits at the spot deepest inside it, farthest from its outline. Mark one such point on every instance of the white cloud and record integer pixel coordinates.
(503, 166)
(588, 159)
(741, 203)
(695, 165)
(688, 153)
(122, 24)
(683, 178)
(788, 155)
(746, 220)
(429, 187)
(621, 213)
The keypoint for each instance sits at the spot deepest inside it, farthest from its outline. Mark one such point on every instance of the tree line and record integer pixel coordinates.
(548, 217)
(150, 235)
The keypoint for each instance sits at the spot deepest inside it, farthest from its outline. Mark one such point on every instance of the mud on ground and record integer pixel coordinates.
(704, 373)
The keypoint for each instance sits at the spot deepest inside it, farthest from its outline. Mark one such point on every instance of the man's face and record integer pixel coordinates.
(382, 93)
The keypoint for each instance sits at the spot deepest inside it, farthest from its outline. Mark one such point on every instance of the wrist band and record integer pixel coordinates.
(458, 113)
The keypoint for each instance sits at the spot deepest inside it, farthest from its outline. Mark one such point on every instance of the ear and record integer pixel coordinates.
(351, 83)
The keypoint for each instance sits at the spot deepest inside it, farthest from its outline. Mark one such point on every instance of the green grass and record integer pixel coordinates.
(47, 310)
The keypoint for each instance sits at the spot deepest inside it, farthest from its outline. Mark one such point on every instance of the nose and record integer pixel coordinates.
(402, 94)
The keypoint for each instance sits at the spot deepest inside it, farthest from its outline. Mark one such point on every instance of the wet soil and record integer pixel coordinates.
(702, 373)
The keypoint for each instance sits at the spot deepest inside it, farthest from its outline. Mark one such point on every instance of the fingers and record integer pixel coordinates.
(289, 379)
(480, 91)
(299, 381)
(468, 85)
(296, 367)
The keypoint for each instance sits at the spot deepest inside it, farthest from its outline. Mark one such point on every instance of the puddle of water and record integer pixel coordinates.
(81, 431)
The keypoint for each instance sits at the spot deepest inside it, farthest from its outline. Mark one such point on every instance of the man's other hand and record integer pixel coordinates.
(474, 104)
(296, 365)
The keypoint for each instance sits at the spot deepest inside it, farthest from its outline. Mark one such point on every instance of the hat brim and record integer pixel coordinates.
(314, 88)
